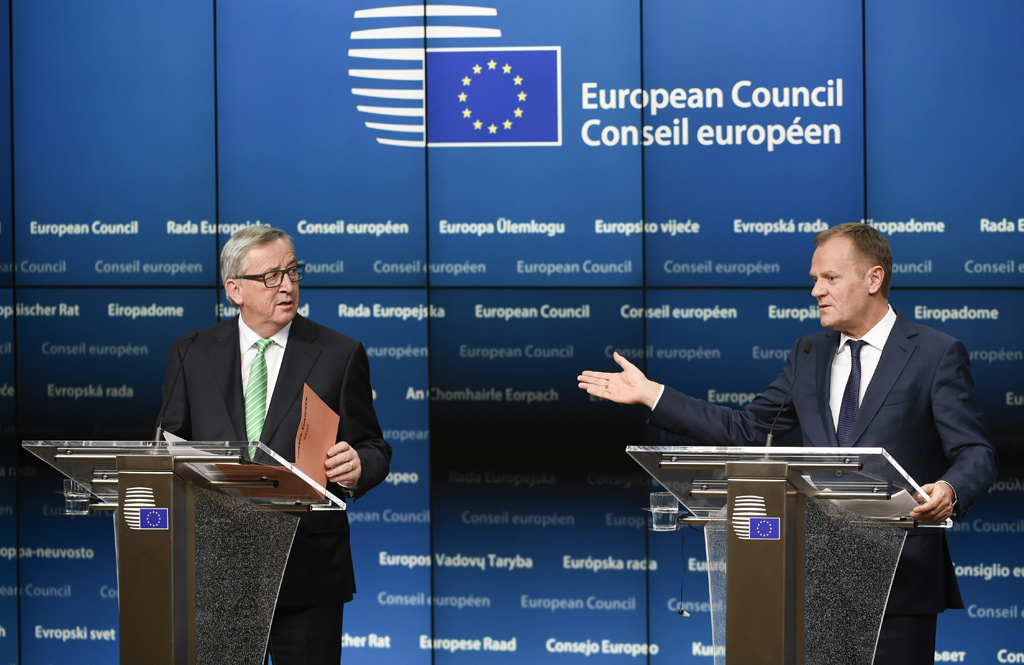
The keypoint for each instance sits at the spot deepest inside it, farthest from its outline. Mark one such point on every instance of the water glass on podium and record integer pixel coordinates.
(76, 498)
(664, 511)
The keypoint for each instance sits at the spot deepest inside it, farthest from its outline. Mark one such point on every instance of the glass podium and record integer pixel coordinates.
(800, 544)
(202, 533)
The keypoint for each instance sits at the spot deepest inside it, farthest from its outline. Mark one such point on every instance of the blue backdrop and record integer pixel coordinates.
(494, 197)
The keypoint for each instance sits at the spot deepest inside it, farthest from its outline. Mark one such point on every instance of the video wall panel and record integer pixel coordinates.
(504, 393)
(539, 566)
(514, 203)
(91, 362)
(537, 523)
(8, 481)
(985, 548)
(114, 145)
(988, 323)
(6, 191)
(65, 563)
(294, 151)
(944, 138)
(754, 113)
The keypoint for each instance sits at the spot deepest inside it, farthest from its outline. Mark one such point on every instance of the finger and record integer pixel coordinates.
(336, 463)
(934, 510)
(345, 473)
(622, 362)
(351, 476)
(931, 508)
(933, 516)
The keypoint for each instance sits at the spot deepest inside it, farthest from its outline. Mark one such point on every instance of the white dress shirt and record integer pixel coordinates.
(870, 353)
(274, 354)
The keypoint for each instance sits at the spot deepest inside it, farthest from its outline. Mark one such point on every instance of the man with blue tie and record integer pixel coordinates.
(876, 379)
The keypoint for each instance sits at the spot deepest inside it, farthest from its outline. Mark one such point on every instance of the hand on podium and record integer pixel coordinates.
(939, 506)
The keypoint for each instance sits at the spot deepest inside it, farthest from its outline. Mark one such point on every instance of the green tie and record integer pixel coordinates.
(256, 394)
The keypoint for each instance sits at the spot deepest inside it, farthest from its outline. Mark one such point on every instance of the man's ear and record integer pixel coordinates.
(876, 276)
(234, 291)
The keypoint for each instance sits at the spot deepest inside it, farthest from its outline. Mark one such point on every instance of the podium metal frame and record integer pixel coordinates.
(765, 596)
(156, 561)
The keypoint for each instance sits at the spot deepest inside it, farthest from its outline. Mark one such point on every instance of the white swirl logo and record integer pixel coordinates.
(135, 499)
(746, 506)
(493, 96)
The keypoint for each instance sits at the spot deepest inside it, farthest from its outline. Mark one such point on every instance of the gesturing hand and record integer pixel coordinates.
(629, 386)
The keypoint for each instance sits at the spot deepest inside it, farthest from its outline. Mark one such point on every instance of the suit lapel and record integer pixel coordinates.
(299, 357)
(224, 359)
(823, 372)
(897, 352)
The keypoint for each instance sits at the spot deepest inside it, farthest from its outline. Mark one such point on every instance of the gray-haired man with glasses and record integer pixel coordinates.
(243, 381)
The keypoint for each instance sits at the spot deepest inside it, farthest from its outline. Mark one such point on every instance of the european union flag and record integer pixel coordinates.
(152, 518)
(764, 528)
(494, 97)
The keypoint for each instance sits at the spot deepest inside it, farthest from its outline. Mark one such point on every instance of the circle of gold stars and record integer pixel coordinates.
(467, 113)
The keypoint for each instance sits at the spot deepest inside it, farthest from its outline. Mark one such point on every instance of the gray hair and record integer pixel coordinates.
(238, 246)
(873, 247)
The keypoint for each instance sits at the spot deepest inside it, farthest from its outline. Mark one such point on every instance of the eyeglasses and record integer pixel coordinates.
(274, 278)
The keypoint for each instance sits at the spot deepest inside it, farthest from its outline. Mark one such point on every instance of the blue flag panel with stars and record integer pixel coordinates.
(764, 528)
(153, 518)
(493, 97)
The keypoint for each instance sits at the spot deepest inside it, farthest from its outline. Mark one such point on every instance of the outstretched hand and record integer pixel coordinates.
(629, 386)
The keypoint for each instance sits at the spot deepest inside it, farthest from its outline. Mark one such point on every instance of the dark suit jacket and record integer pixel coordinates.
(920, 406)
(207, 406)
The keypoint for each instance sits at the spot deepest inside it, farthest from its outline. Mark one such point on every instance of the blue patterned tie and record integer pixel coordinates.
(256, 394)
(851, 396)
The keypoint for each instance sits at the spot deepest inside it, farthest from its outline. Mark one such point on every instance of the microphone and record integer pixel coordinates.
(785, 400)
(181, 367)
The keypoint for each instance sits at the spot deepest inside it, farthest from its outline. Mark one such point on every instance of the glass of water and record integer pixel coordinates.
(76, 498)
(664, 511)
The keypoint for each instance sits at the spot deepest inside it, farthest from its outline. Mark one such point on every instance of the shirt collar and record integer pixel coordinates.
(877, 336)
(246, 337)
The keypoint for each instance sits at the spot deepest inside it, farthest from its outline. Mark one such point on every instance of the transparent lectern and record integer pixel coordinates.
(202, 534)
(801, 553)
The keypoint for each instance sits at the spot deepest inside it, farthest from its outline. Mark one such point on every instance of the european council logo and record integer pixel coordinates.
(750, 519)
(140, 511)
(453, 96)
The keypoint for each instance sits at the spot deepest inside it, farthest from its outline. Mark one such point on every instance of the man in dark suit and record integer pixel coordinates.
(213, 401)
(908, 389)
